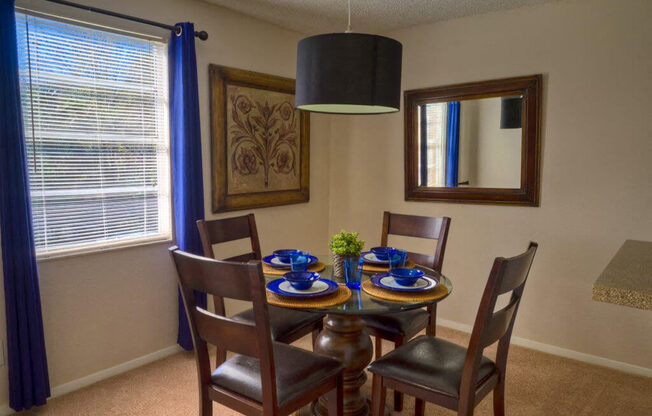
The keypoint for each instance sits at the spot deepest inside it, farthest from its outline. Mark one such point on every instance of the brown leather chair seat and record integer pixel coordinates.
(430, 363)
(283, 322)
(296, 371)
(401, 323)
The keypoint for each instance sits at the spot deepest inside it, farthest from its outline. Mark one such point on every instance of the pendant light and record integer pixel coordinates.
(349, 73)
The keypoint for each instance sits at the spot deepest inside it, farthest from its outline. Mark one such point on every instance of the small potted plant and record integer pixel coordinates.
(345, 246)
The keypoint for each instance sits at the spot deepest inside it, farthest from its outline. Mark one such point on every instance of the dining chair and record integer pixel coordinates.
(287, 325)
(447, 374)
(402, 326)
(263, 376)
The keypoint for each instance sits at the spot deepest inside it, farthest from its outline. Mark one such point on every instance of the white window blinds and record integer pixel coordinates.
(95, 109)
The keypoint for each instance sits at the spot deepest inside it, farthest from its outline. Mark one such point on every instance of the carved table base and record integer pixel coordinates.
(344, 338)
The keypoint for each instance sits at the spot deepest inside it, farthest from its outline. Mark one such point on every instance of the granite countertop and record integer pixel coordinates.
(627, 279)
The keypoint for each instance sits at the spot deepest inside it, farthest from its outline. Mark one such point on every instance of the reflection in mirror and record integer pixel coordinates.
(470, 143)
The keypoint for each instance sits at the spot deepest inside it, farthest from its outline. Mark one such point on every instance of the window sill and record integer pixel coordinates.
(102, 248)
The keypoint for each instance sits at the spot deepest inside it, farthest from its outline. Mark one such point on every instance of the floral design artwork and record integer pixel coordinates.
(263, 141)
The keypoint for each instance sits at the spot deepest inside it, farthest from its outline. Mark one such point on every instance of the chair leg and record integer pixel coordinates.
(419, 407)
(205, 404)
(220, 357)
(335, 398)
(499, 399)
(379, 347)
(431, 329)
(398, 396)
(378, 396)
(315, 334)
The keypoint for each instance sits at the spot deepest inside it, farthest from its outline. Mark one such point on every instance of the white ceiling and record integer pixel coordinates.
(377, 16)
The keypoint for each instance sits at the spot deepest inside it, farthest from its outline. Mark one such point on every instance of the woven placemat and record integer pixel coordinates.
(438, 292)
(267, 269)
(376, 268)
(342, 295)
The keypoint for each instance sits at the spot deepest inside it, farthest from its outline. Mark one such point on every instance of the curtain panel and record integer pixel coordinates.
(185, 149)
(28, 369)
(453, 144)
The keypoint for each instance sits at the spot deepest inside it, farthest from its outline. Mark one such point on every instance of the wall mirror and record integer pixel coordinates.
(476, 143)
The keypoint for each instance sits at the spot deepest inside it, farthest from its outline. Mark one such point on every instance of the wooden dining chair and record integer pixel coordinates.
(287, 325)
(447, 374)
(263, 376)
(402, 326)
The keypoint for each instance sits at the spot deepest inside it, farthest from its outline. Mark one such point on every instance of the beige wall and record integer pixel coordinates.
(102, 310)
(596, 177)
(499, 150)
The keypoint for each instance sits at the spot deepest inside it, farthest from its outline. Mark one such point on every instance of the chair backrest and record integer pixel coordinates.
(234, 280)
(434, 228)
(507, 275)
(229, 229)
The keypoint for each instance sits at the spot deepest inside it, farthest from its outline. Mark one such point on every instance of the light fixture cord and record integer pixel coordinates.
(348, 27)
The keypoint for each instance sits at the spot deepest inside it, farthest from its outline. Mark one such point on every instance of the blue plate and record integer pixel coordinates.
(386, 281)
(274, 261)
(369, 257)
(282, 287)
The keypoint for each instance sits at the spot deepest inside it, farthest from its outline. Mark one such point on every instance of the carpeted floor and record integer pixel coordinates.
(537, 384)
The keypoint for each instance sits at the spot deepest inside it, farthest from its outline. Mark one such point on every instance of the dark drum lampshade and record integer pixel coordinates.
(511, 110)
(349, 73)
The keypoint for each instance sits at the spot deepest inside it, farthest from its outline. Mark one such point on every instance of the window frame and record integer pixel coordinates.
(167, 235)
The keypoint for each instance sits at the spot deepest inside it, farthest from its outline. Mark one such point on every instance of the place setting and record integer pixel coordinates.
(378, 259)
(280, 261)
(400, 281)
(302, 286)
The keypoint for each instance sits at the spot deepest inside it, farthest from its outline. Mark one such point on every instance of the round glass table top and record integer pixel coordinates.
(360, 302)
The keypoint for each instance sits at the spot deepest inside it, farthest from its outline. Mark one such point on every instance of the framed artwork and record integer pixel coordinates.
(260, 143)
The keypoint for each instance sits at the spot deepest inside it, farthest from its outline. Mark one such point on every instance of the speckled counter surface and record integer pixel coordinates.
(627, 279)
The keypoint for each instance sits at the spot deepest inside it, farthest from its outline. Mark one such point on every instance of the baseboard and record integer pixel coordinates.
(562, 352)
(79, 383)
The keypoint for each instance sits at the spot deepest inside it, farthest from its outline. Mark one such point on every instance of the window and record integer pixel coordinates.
(434, 148)
(95, 109)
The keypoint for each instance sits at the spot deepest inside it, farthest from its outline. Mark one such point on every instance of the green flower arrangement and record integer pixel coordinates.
(346, 244)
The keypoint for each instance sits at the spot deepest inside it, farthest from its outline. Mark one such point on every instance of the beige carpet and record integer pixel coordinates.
(537, 384)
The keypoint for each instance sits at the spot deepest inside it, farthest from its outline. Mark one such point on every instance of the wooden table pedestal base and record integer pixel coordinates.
(345, 338)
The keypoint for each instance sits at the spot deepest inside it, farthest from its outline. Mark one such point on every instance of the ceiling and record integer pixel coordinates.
(323, 16)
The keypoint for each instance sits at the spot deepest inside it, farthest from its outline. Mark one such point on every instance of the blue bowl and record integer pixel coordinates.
(406, 277)
(382, 253)
(301, 280)
(286, 254)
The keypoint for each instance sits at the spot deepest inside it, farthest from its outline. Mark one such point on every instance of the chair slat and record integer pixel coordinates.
(415, 226)
(228, 229)
(499, 323)
(243, 258)
(229, 335)
(230, 280)
(421, 259)
(515, 271)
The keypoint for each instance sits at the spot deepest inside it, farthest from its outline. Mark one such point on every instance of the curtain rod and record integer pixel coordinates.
(201, 35)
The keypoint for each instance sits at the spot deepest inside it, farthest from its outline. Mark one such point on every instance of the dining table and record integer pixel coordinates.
(344, 336)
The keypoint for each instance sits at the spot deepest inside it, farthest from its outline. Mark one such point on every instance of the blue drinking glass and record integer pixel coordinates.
(397, 258)
(299, 263)
(352, 272)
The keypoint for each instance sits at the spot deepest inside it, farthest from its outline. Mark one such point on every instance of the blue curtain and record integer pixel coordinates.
(28, 369)
(185, 145)
(452, 144)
